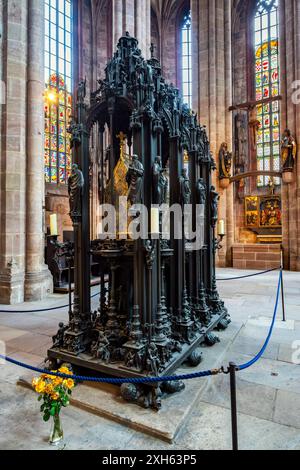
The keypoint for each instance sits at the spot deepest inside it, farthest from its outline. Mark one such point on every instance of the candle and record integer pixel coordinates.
(155, 220)
(53, 225)
(221, 227)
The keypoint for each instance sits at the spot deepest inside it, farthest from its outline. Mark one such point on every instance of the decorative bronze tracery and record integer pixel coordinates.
(162, 301)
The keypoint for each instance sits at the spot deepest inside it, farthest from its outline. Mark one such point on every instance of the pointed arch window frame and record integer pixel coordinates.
(58, 49)
(186, 70)
(266, 83)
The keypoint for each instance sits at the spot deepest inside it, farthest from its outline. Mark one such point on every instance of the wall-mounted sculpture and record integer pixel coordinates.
(240, 151)
(288, 156)
(159, 301)
(225, 166)
(241, 141)
(134, 180)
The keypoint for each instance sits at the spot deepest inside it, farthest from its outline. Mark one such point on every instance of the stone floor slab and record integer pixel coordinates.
(274, 374)
(251, 346)
(287, 408)
(252, 399)
(25, 429)
(268, 392)
(265, 322)
(254, 433)
(8, 333)
(289, 354)
(30, 342)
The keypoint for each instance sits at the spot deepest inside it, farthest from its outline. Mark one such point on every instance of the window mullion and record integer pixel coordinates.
(57, 94)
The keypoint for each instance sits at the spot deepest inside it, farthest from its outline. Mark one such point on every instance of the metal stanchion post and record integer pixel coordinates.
(282, 298)
(232, 371)
(282, 288)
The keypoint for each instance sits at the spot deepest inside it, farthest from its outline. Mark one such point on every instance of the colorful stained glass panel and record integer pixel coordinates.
(47, 174)
(258, 66)
(53, 175)
(267, 86)
(47, 158)
(186, 59)
(58, 98)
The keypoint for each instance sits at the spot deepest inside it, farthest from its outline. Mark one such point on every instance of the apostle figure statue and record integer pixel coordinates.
(288, 151)
(119, 68)
(134, 179)
(214, 198)
(75, 186)
(81, 90)
(185, 188)
(225, 162)
(152, 359)
(58, 339)
(201, 191)
(164, 184)
(159, 182)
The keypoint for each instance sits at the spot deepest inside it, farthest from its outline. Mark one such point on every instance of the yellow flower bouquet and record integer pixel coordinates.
(55, 393)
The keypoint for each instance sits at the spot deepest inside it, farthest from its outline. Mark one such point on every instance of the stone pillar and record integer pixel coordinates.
(38, 280)
(23, 275)
(290, 118)
(13, 153)
(230, 223)
(129, 17)
(133, 16)
(212, 96)
(296, 263)
(2, 84)
(148, 28)
(117, 21)
(138, 19)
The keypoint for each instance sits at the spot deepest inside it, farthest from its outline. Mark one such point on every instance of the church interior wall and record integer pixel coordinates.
(243, 74)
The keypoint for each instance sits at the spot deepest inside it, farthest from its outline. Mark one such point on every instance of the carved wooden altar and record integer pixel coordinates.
(161, 302)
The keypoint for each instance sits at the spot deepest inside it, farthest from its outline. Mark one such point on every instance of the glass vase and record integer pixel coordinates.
(57, 433)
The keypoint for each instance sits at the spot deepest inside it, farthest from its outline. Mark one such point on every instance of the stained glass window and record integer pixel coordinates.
(267, 87)
(58, 98)
(186, 59)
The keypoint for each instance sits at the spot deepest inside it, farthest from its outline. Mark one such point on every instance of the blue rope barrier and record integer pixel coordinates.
(65, 306)
(116, 381)
(249, 275)
(261, 352)
(143, 380)
(42, 309)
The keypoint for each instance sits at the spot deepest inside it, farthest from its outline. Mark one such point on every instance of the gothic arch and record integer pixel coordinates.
(168, 15)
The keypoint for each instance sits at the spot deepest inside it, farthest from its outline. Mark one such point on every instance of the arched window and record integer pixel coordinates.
(186, 59)
(58, 82)
(267, 87)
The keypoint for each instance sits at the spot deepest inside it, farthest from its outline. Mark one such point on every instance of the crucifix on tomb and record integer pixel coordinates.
(122, 138)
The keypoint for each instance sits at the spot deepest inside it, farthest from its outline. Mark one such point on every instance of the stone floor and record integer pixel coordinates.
(268, 392)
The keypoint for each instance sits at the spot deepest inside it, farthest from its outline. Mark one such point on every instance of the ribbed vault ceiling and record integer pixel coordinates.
(164, 9)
